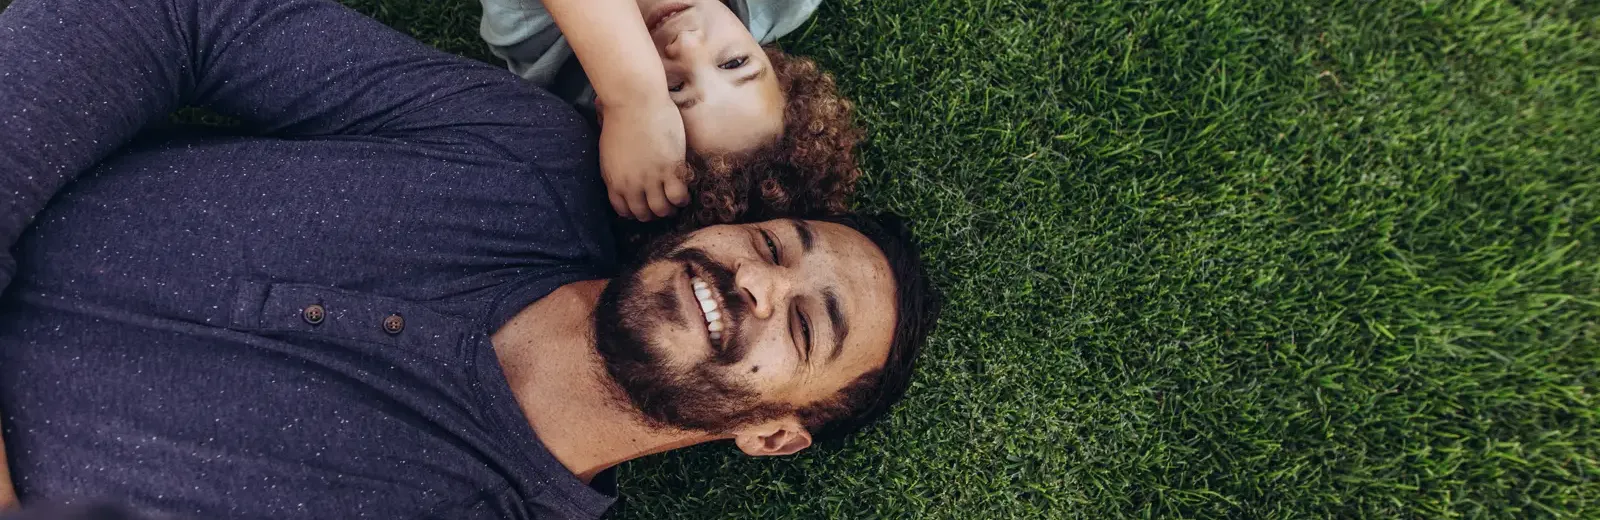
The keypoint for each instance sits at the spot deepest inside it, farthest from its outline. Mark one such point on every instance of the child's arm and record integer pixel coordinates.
(8, 495)
(642, 144)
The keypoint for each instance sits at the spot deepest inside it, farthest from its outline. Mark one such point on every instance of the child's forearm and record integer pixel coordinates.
(8, 495)
(612, 43)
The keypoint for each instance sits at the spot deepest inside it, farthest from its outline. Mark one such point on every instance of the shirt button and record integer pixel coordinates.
(394, 324)
(314, 313)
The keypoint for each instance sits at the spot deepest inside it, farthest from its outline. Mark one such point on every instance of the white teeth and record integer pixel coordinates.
(708, 306)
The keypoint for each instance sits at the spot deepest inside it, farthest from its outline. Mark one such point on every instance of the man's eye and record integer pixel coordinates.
(771, 247)
(805, 330)
(675, 87)
(734, 63)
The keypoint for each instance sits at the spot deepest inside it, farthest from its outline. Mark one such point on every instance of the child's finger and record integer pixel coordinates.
(620, 205)
(639, 208)
(677, 192)
(658, 202)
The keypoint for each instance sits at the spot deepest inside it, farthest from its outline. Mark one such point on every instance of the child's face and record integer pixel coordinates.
(720, 79)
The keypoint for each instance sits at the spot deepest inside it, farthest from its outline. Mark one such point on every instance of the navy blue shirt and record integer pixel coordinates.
(292, 322)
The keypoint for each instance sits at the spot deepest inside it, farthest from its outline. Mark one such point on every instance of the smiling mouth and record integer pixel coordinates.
(661, 18)
(710, 309)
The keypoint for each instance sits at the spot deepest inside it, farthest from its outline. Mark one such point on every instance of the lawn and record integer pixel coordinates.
(1248, 259)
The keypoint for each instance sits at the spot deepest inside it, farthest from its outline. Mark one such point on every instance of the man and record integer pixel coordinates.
(391, 298)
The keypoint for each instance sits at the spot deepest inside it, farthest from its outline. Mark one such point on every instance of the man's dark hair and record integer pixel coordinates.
(917, 304)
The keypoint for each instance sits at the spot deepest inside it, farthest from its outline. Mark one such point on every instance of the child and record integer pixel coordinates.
(688, 100)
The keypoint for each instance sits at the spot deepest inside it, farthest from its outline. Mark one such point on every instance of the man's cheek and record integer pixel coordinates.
(764, 362)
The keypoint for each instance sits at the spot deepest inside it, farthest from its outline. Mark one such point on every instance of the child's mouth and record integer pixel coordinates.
(664, 14)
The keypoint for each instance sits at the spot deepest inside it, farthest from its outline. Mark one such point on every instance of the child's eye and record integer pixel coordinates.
(677, 87)
(734, 63)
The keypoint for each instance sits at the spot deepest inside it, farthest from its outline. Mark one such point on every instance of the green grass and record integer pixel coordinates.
(1247, 259)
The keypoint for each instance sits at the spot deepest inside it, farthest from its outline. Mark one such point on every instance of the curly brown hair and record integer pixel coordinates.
(809, 170)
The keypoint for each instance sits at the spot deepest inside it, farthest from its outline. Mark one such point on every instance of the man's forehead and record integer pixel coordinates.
(836, 240)
(857, 287)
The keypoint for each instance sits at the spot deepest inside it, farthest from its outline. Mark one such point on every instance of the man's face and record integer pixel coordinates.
(717, 74)
(736, 324)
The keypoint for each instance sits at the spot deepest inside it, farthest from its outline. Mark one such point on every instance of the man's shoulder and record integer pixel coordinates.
(538, 127)
(558, 148)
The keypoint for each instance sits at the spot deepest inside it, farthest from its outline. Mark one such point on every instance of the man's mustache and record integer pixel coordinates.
(735, 309)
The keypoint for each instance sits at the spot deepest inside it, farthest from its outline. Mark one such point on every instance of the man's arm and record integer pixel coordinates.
(80, 78)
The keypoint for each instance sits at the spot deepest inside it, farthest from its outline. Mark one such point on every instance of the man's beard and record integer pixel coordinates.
(700, 398)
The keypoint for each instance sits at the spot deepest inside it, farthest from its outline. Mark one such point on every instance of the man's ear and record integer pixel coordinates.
(783, 436)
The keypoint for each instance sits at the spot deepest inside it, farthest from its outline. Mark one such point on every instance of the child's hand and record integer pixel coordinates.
(642, 159)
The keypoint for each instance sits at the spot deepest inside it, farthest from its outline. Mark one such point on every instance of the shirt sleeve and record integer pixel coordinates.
(80, 78)
(769, 20)
(523, 33)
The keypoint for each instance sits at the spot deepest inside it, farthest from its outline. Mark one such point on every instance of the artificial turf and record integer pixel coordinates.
(1247, 259)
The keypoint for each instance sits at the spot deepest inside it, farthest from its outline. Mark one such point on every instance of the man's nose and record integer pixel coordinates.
(766, 286)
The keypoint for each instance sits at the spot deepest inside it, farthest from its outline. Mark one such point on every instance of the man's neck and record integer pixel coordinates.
(559, 380)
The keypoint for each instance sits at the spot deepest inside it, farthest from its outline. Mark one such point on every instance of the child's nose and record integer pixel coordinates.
(685, 42)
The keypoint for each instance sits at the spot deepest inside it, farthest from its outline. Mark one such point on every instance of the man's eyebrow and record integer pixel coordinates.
(750, 77)
(840, 326)
(804, 230)
(688, 103)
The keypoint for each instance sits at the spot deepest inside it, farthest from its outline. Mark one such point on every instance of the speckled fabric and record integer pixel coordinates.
(292, 322)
